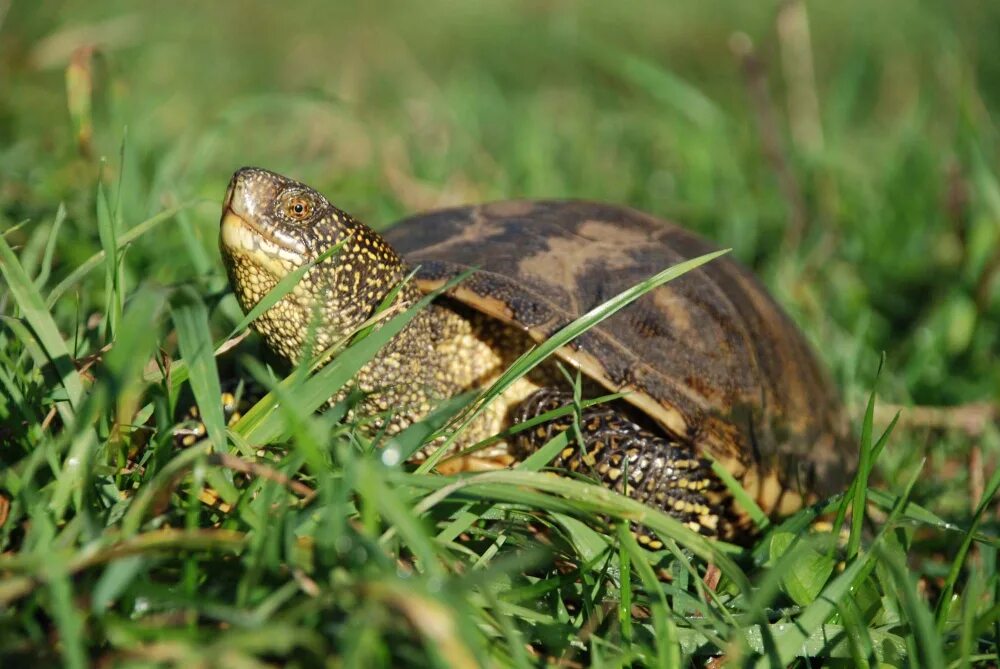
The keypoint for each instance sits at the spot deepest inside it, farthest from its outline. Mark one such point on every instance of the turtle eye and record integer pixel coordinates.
(298, 208)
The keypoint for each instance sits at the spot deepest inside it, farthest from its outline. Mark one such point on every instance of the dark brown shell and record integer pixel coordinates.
(710, 356)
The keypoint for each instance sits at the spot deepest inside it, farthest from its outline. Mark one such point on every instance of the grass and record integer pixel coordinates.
(873, 214)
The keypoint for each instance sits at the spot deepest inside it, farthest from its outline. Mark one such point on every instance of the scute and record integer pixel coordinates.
(710, 356)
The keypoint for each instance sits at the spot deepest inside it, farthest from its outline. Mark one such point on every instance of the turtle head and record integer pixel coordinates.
(271, 226)
(284, 222)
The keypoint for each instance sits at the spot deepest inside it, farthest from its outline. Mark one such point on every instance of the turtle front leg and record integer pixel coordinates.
(635, 461)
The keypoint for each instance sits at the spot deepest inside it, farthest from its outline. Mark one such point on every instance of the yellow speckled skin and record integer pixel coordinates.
(262, 240)
(712, 365)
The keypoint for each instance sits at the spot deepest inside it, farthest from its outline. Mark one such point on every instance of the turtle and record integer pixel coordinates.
(709, 368)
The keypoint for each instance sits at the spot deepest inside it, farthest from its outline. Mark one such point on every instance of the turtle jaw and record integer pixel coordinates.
(238, 236)
(246, 227)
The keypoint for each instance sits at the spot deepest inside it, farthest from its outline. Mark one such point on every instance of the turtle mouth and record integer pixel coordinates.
(241, 232)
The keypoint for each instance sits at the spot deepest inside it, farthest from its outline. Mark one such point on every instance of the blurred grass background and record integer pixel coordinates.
(847, 151)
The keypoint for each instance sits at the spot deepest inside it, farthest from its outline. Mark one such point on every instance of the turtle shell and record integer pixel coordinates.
(709, 356)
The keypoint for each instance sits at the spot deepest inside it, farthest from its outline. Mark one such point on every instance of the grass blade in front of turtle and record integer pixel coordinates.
(195, 343)
(535, 356)
(284, 286)
(565, 495)
(262, 425)
(179, 371)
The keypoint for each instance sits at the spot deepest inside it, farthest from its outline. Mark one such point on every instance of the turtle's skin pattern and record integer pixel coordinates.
(711, 364)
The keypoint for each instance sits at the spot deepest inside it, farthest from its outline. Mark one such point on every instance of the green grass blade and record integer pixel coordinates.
(545, 454)
(95, 260)
(37, 315)
(534, 357)
(118, 386)
(918, 514)
(625, 588)
(284, 286)
(860, 485)
(947, 591)
(22, 332)
(374, 490)
(590, 499)
(109, 241)
(887, 500)
(743, 499)
(146, 495)
(666, 643)
(117, 576)
(195, 342)
(914, 609)
(50, 248)
(261, 424)
(834, 595)
(68, 619)
(134, 347)
(402, 446)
